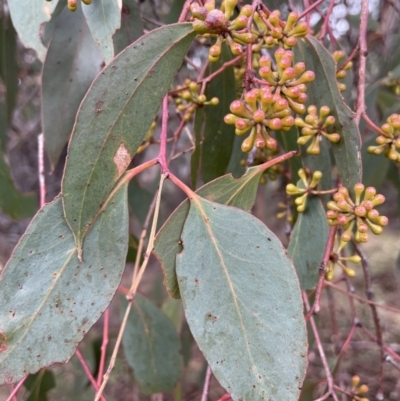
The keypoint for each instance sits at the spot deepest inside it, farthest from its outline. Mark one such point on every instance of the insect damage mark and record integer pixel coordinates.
(122, 159)
(3, 345)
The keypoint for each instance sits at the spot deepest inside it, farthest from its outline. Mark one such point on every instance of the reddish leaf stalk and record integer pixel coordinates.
(372, 125)
(206, 387)
(162, 156)
(362, 42)
(16, 389)
(322, 270)
(185, 11)
(326, 20)
(309, 9)
(88, 372)
(104, 344)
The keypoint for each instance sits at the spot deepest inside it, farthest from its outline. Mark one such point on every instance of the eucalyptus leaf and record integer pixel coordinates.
(243, 303)
(103, 18)
(27, 18)
(227, 190)
(323, 91)
(218, 137)
(151, 345)
(114, 117)
(39, 384)
(71, 64)
(49, 300)
(308, 241)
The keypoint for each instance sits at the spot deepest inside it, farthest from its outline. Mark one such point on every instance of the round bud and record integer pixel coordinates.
(258, 116)
(202, 99)
(275, 124)
(87, 2)
(214, 101)
(291, 41)
(242, 124)
(341, 74)
(72, 5)
(230, 119)
(193, 86)
(331, 214)
(362, 228)
(247, 144)
(346, 236)
(236, 48)
(341, 219)
(216, 21)
(215, 51)
(382, 221)
(246, 10)
(354, 259)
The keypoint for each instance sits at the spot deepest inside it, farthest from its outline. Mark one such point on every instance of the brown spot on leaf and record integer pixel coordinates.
(122, 159)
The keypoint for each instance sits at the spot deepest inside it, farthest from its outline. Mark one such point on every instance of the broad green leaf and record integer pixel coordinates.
(174, 310)
(308, 241)
(27, 18)
(139, 199)
(39, 384)
(323, 91)
(13, 202)
(243, 303)
(218, 137)
(237, 162)
(131, 26)
(103, 18)
(49, 300)
(198, 128)
(8, 63)
(49, 27)
(3, 126)
(239, 192)
(71, 64)
(174, 12)
(114, 117)
(288, 140)
(151, 347)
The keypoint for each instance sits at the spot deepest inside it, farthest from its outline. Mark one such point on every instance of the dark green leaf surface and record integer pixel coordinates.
(71, 64)
(323, 91)
(27, 18)
(139, 200)
(227, 190)
(49, 300)
(218, 137)
(243, 303)
(131, 26)
(103, 18)
(308, 241)
(114, 118)
(151, 346)
(39, 384)
(12, 202)
(199, 127)
(8, 63)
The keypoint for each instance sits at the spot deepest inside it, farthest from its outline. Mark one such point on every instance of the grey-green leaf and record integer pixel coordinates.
(152, 347)
(218, 137)
(114, 118)
(12, 202)
(227, 190)
(27, 17)
(103, 18)
(243, 303)
(49, 300)
(323, 91)
(308, 241)
(131, 26)
(71, 64)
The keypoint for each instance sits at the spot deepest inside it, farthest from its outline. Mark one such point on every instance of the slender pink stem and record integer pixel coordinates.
(326, 20)
(88, 372)
(103, 346)
(206, 387)
(16, 389)
(309, 9)
(41, 172)
(162, 156)
(225, 397)
(185, 11)
(362, 41)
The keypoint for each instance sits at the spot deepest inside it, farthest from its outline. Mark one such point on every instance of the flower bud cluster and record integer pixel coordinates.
(259, 112)
(345, 212)
(307, 185)
(288, 80)
(188, 100)
(341, 72)
(314, 126)
(272, 31)
(389, 144)
(209, 20)
(336, 259)
(358, 390)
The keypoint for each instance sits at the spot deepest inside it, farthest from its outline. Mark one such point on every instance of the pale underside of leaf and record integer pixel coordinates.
(27, 17)
(228, 190)
(49, 300)
(72, 62)
(118, 109)
(103, 18)
(243, 304)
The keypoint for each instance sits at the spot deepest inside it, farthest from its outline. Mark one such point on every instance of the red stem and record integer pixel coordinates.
(41, 171)
(309, 9)
(88, 372)
(16, 389)
(162, 156)
(326, 20)
(103, 346)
